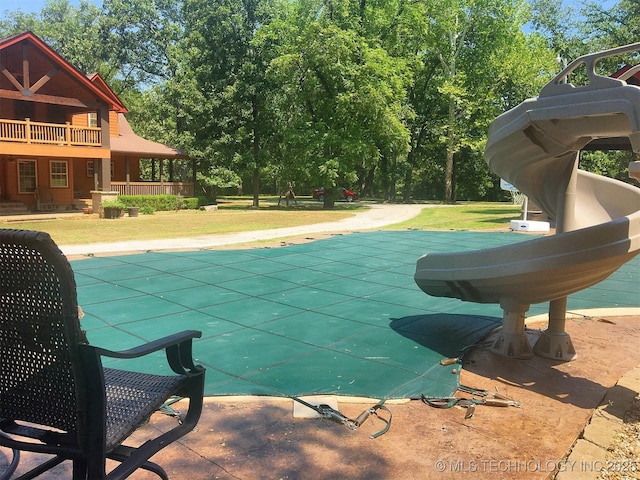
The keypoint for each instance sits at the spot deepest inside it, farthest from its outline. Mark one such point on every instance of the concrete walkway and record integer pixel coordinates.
(375, 217)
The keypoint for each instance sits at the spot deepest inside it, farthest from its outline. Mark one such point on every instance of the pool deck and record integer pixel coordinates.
(564, 406)
(258, 437)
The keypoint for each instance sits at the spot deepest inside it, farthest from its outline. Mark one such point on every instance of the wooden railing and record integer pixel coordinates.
(184, 189)
(26, 131)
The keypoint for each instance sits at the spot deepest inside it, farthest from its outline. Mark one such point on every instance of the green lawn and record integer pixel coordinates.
(238, 215)
(470, 216)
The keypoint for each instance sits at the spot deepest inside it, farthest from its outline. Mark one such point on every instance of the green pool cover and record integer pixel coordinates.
(335, 316)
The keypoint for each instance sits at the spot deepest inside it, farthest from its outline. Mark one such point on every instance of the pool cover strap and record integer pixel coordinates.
(492, 400)
(360, 419)
(325, 411)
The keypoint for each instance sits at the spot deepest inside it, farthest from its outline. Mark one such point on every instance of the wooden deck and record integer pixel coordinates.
(26, 131)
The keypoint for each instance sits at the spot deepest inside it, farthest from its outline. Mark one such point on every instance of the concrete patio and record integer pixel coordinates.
(258, 437)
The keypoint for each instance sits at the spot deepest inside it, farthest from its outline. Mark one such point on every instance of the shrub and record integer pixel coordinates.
(112, 209)
(117, 204)
(190, 203)
(155, 203)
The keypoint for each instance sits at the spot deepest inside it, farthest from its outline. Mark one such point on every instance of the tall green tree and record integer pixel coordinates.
(143, 38)
(229, 68)
(612, 27)
(341, 104)
(472, 42)
(392, 95)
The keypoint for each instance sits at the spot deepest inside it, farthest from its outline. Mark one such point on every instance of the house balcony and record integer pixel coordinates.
(27, 131)
(25, 137)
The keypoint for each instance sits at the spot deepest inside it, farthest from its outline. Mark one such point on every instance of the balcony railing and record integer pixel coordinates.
(26, 131)
(184, 189)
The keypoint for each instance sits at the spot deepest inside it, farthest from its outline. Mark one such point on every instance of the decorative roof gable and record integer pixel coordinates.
(33, 70)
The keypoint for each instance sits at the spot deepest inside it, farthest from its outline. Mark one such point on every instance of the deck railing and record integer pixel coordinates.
(26, 131)
(184, 189)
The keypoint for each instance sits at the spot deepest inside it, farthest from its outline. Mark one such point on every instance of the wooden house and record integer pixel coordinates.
(64, 135)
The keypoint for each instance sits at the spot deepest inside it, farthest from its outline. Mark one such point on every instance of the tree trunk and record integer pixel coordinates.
(393, 184)
(256, 186)
(366, 183)
(329, 198)
(384, 176)
(448, 169)
(256, 154)
(408, 178)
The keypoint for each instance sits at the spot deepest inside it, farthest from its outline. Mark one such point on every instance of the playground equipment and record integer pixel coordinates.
(535, 147)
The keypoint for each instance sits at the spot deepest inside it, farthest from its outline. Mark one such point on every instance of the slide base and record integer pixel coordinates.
(512, 345)
(556, 346)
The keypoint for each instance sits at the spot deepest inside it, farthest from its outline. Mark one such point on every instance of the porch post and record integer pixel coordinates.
(194, 175)
(127, 172)
(104, 174)
(105, 163)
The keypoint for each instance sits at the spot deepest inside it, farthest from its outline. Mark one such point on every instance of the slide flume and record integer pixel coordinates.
(535, 147)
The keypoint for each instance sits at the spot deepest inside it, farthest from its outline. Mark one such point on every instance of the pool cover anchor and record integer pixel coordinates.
(489, 399)
(325, 411)
(360, 419)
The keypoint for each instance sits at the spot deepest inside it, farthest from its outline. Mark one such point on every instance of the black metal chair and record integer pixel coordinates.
(55, 395)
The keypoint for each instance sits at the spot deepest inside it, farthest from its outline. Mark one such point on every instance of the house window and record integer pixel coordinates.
(58, 174)
(92, 119)
(91, 168)
(26, 176)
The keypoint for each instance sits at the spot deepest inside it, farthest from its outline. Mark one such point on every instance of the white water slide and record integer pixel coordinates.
(535, 147)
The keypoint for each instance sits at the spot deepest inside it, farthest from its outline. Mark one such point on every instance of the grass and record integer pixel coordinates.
(472, 216)
(237, 215)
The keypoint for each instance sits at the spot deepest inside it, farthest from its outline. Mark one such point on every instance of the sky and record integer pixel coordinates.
(30, 6)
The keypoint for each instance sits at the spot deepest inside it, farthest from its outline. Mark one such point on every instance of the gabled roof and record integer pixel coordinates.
(128, 143)
(72, 73)
(99, 82)
(633, 79)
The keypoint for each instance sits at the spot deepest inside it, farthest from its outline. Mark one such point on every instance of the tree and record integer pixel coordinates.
(377, 93)
(613, 27)
(341, 101)
(472, 42)
(229, 68)
(141, 37)
(559, 25)
(609, 28)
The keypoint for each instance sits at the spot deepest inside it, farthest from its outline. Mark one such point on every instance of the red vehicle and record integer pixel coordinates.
(343, 194)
